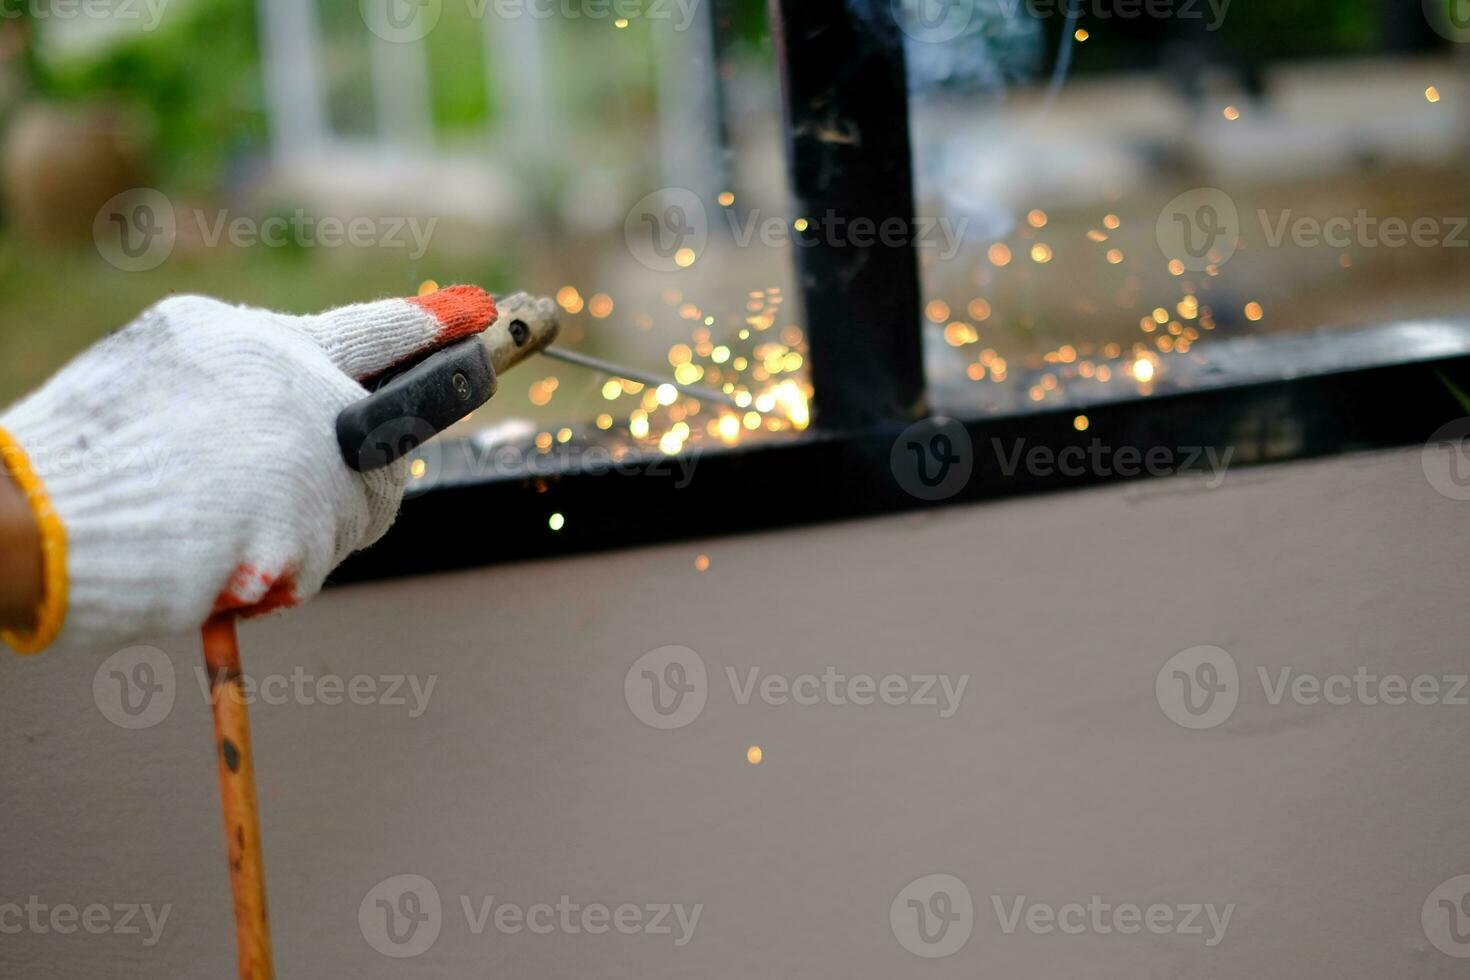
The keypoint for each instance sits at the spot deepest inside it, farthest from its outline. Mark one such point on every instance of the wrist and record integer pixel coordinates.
(33, 586)
(20, 558)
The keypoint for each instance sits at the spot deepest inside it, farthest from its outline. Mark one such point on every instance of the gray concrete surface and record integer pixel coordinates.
(528, 776)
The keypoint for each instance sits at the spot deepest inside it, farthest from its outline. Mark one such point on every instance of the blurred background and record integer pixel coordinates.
(515, 145)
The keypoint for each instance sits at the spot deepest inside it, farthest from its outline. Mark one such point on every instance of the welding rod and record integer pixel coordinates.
(618, 371)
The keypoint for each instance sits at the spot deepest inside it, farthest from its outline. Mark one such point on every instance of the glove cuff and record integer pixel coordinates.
(51, 615)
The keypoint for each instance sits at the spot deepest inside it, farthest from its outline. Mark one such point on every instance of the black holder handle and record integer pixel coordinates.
(413, 403)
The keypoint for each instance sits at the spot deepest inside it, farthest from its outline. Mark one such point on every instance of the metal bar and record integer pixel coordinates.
(619, 371)
(847, 130)
(832, 476)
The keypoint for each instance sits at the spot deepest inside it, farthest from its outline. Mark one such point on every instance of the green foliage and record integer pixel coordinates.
(1302, 28)
(196, 76)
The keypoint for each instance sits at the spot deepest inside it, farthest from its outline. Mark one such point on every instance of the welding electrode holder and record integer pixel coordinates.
(411, 404)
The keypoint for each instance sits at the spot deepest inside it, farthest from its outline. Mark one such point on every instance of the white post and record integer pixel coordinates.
(516, 80)
(401, 98)
(296, 107)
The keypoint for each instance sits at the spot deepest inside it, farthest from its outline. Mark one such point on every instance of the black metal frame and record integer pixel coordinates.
(849, 155)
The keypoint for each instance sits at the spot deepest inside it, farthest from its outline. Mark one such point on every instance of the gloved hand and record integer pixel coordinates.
(188, 464)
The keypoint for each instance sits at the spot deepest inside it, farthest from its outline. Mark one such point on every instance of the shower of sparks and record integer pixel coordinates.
(758, 363)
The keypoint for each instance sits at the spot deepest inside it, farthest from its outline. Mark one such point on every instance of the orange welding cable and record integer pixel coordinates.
(237, 797)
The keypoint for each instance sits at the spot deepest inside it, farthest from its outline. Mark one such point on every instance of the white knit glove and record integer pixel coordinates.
(192, 460)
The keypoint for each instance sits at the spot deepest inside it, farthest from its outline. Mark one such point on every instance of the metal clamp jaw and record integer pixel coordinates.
(415, 401)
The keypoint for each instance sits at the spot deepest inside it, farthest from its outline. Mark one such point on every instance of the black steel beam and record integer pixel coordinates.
(831, 476)
(847, 134)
